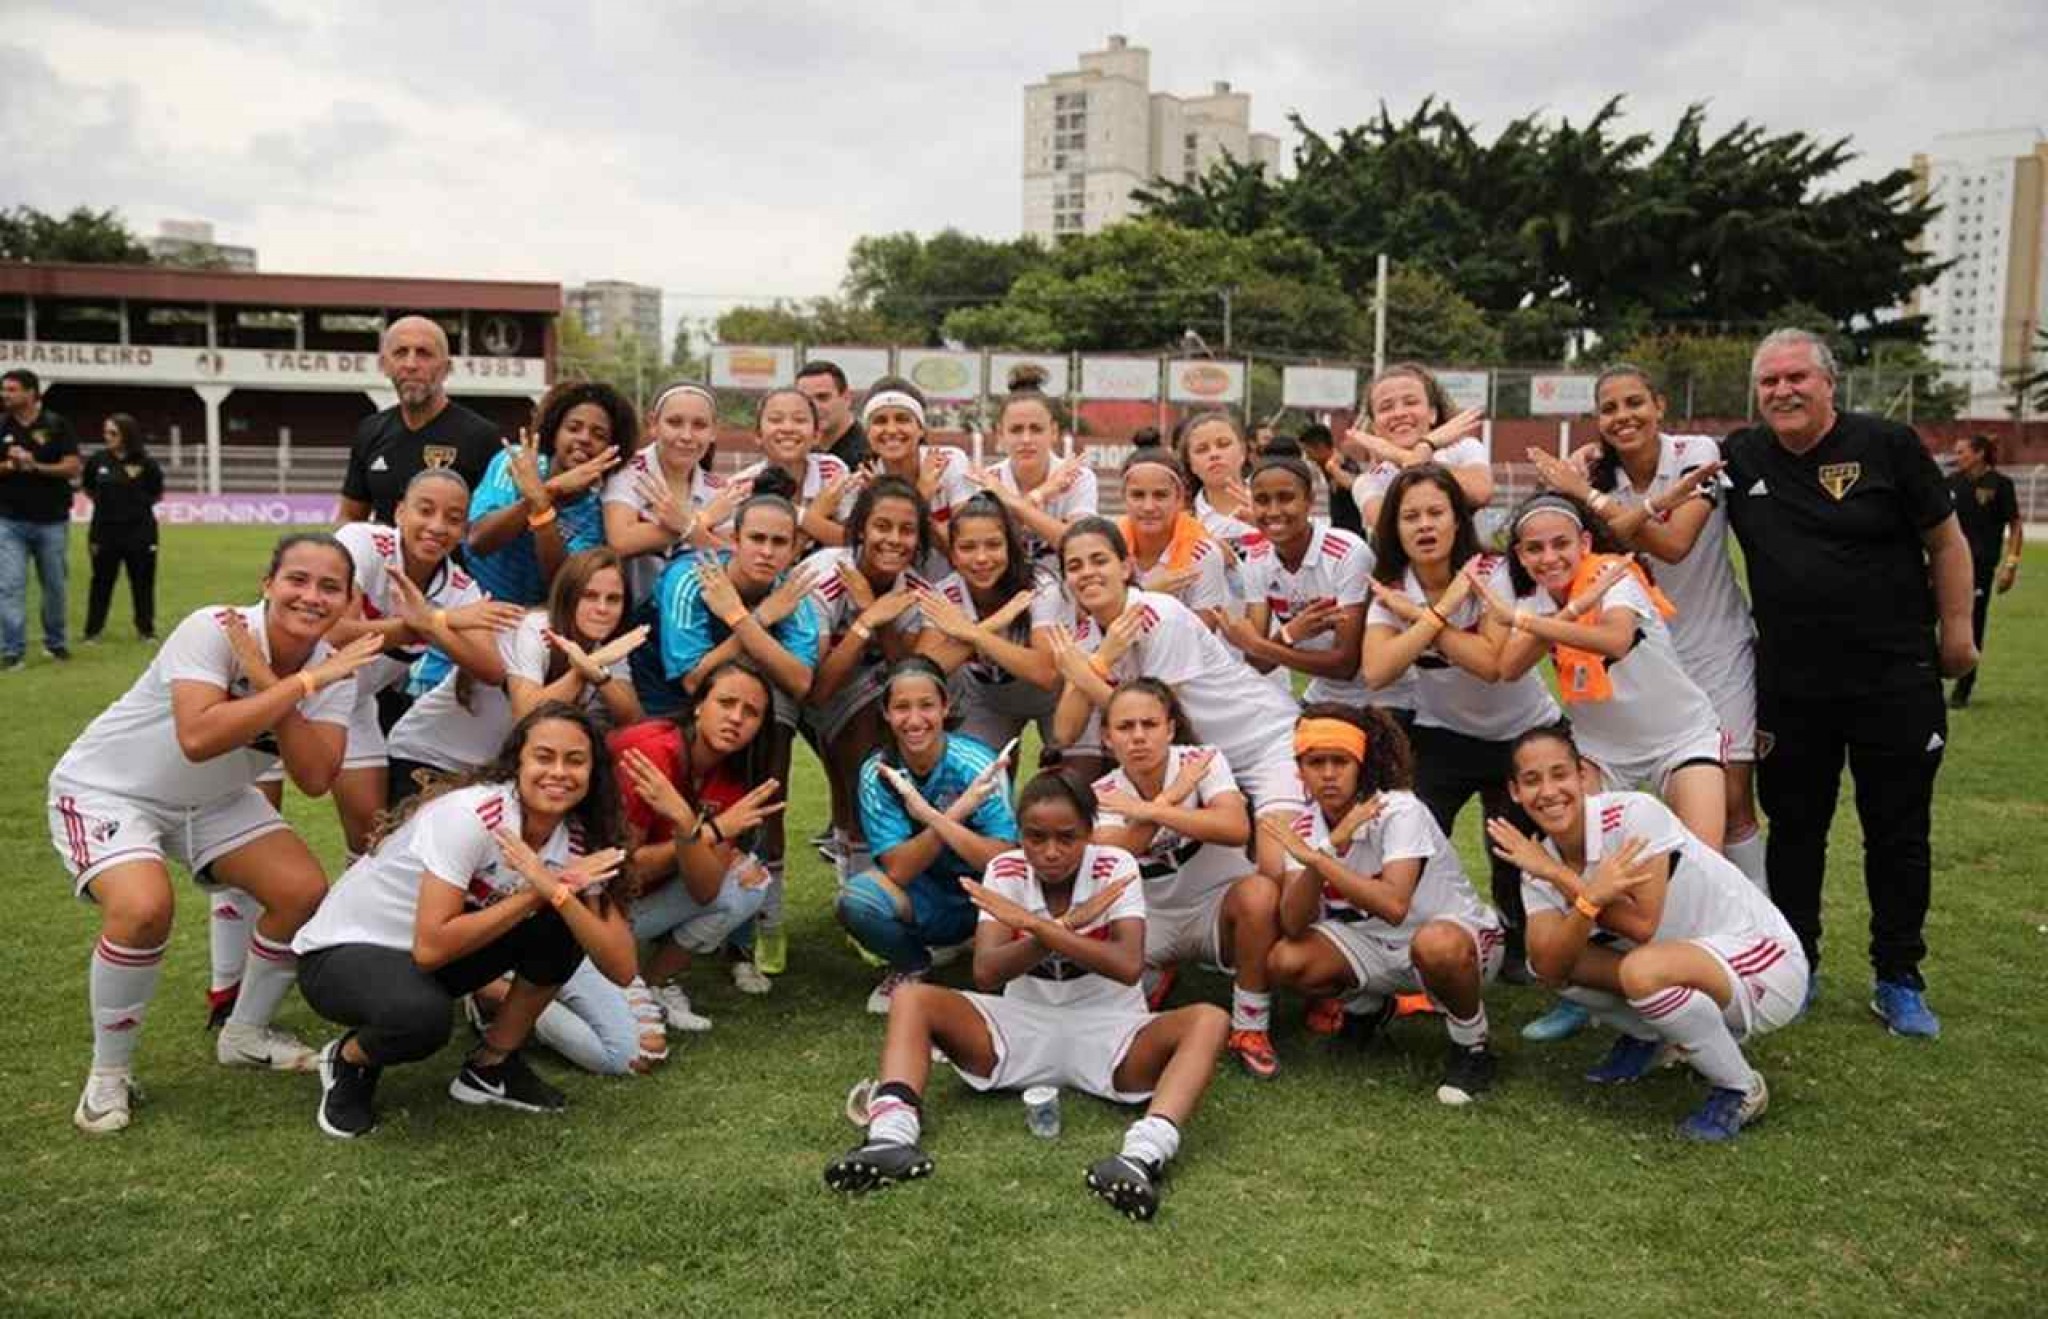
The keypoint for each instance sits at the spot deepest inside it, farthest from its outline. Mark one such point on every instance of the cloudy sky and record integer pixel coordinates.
(727, 151)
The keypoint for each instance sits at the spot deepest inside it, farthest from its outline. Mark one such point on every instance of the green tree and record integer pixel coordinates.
(819, 320)
(1429, 321)
(86, 235)
(911, 284)
(1003, 325)
(634, 368)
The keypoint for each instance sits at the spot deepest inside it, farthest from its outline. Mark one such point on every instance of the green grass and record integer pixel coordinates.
(1889, 1177)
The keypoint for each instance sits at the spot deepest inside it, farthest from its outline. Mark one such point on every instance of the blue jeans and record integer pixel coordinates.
(940, 915)
(591, 1024)
(669, 912)
(48, 543)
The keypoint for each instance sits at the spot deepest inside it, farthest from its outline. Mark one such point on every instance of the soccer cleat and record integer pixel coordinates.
(1131, 1186)
(771, 950)
(1325, 1016)
(1253, 1050)
(747, 977)
(874, 1164)
(509, 1083)
(878, 1001)
(346, 1092)
(857, 1100)
(103, 1107)
(1904, 1010)
(1630, 1059)
(828, 845)
(1362, 1028)
(1727, 1112)
(262, 1046)
(1162, 985)
(1560, 1023)
(1467, 1075)
(220, 1005)
(1414, 1005)
(676, 1011)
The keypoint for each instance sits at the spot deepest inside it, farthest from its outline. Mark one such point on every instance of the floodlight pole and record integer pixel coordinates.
(1379, 318)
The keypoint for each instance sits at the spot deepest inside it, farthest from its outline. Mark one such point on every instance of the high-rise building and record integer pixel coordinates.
(1985, 311)
(608, 307)
(190, 243)
(1094, 134)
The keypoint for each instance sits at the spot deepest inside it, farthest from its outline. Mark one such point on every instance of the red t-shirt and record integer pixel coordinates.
(661, 741)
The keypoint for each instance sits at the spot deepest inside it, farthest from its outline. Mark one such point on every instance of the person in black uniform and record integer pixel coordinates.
(1860, 580)
(1989, 509)
(824, 384)
(425, 429)
(38, 462)
(125, 485)
(1319, 446)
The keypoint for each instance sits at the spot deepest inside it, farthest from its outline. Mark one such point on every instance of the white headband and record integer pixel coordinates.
(698, 390)
(891, 398)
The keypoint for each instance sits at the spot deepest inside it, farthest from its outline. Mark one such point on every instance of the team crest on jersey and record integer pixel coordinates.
(104, 830)
(439, 455)
(1984, 497)
(1836, 478)
(1765, 740)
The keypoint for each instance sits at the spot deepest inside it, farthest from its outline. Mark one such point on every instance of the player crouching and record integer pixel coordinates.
(1654, 931)
(1062, 931)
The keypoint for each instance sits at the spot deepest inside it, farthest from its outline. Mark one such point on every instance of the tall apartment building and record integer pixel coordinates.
(190, 243)
(1985, 311)
(1094, 134)
(607, 307)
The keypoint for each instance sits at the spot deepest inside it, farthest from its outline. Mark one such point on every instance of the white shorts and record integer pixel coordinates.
(92, 830)
(1730, 684)
(1180, 934)
(1383, 966)
(1769, 974)
(365, 748)
(1273, 783)
(1702, 746)
(1036, 1044)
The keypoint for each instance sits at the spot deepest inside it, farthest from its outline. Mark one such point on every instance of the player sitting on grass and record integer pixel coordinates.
(1657, 933)
(1062, 932)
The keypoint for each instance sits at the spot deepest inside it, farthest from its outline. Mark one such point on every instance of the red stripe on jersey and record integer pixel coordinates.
(459, 579)
(1750, 954)
(1104, 866)
(1610, 819)
(1304, 825)
(1101, 934)
(1335, 549)
(1008, 867)
(1148, 617)
(1751, 972)
(74, 831)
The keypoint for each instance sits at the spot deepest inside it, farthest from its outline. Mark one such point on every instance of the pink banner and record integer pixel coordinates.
(240, 510)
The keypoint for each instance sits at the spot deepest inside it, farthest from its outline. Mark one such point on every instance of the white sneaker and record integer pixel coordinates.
(263, 1046)
(749, 979)
(675, 1008)
(878, 1002)
(103, 1108)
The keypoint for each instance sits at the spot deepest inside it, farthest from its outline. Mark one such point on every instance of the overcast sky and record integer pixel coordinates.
(716, 151)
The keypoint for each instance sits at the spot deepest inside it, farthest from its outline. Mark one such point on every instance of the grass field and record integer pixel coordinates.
(1889, 1177)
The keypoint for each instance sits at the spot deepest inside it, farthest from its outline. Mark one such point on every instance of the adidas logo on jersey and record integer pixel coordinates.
(378, 464)
(1935, 743)
(1759, 488)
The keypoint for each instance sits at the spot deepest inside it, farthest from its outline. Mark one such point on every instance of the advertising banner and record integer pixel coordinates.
(1321, 388)
(745, 366)
(1202, 380)
(1130, 378)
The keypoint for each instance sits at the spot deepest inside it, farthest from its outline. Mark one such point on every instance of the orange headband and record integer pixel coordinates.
(1329, 735)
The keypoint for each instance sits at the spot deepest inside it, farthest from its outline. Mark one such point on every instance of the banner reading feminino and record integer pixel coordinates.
(251, 510)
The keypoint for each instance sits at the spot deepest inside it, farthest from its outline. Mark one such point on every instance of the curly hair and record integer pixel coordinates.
(1389, 760)
(559, 401)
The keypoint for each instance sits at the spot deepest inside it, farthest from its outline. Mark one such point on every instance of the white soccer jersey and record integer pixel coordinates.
(1404, 830)
(1210, 588)
(1079, 500)
(131, 749)
(623, 487)
(1241, 536)
(1333, 569)
(1055, 981)
(1713, 619)
(1044, 611)
(835, 607)
(376, 901)
(1655, 706)
(1371, 485)
(1181, 873)
(1447, 696)
(439, 730)
(1707, 896)
(820, 470)
(375, 548)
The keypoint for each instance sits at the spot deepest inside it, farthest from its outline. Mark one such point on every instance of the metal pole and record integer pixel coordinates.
(1226, 319)
(1379, 317)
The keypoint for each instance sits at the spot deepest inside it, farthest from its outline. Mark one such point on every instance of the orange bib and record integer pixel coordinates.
(1582, 674)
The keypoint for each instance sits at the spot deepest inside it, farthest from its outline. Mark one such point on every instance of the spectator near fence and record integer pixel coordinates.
(125, 485)
(1989, 509)
(41, 461)
(425, 428)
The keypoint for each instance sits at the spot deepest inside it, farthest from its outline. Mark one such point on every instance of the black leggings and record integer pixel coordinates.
(122, 545)
(401, 1013)
(1980, 620)
(1449, 768)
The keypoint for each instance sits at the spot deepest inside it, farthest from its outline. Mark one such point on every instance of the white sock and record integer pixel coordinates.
(1692, 1021)
(266, 977)
(1249, 1011)
(1468, 1033)
(1152, 1139)
(232, 916)
(1612, 1011)
(893, 1117)
(1748, 856)
(120, 984)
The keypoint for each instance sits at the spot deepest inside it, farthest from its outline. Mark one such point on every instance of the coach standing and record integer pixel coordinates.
(1989, 508)
(424, 429)
(38, 462)
(1860, 580)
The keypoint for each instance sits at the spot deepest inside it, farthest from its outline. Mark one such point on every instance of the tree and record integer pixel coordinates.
(820, 320)
(2030, 386)
(910, 284)
(634, 368)
(1429, 321)
(86, 235)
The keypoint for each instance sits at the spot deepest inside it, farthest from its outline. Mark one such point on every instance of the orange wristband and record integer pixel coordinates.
(535, 521)
(1585, 908)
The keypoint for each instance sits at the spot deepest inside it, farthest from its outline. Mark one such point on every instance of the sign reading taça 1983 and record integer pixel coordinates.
(275, 368)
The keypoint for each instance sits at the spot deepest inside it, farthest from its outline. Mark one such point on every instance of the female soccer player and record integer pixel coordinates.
(1211, 446)
(1173, 552)
(167, 772)
(982, 626)
(1655, 931)
(1409, 420)
(501, 870)
(935, 809)
(1115, 632)
(537, 503)
(893, 416)
(1380, 905)
(787, 424)
(1643, 486)
(1174, 805)
(1042, 494)
(664, 502)
(1304, 585)
(1633, 709)
(1061, 931)
(573, 651)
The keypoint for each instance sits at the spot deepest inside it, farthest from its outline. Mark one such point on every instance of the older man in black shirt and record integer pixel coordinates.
(425, 429)
(1860, 580)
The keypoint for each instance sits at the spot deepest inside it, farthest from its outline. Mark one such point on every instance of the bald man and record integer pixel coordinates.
(425, 429)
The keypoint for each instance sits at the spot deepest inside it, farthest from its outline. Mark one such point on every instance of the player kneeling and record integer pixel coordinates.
(1693, 964)
(1062, 931)
(1380, 905)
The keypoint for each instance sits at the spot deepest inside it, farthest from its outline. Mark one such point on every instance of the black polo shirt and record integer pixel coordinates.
(124, 491)
(1832, 542)
(385, 456)
(1985, 506)
(32, 496)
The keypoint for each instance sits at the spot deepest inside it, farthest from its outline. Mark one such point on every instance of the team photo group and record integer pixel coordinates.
(554, 683)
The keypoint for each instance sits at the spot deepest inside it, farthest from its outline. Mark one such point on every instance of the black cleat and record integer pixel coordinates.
(1362, 1028)
(1467, 1075)
(1131, 1186)
(509, 1083)
(875, 1164)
